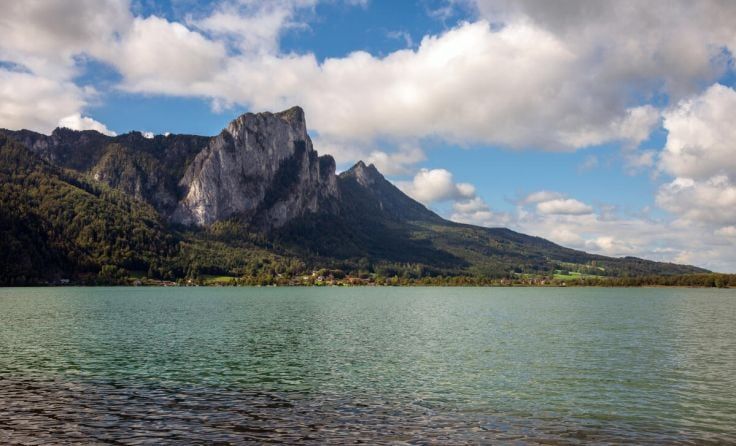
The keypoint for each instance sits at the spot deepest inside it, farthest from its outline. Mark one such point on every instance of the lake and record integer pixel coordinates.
(371, 365)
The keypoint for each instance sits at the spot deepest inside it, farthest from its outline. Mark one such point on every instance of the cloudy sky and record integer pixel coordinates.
(603, 126)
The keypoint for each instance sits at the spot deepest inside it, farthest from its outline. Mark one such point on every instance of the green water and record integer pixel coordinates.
(378, 364)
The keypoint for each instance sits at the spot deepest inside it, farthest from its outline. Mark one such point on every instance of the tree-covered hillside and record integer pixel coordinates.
(87, 208)
(55, 223)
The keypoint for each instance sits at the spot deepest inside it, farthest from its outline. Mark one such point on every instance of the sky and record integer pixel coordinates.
(602, 126)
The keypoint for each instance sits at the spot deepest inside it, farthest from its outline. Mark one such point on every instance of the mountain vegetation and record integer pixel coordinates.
(252, 205)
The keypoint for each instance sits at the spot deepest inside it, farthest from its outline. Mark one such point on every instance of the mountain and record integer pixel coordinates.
(263, 168)
(55, 223)
(255, 200)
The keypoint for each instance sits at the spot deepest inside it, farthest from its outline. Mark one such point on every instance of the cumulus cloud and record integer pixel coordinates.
(710, 201)
(589, 163)
(541, 196)
(36, 102)
(400, 158)
(430, 186)
(521, 75)
(564, 206)
(727, 231)
(700, 153)
(45, 35)
(253, 27)
(555, 203)
(402, 35)
(674, 44)
(43, 41)
(397, 162)
(632, 128)
(701, 139)
(440, 89)
(476, 211)
(639, 160)
(159, 56)
(78, 122)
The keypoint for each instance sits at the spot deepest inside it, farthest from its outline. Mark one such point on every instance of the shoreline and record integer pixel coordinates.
(362, 286)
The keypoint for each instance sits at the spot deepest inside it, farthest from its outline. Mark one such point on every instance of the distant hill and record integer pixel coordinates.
(254, 201)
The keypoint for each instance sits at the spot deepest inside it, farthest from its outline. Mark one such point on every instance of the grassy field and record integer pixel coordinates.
(217, 280)
(570, 275)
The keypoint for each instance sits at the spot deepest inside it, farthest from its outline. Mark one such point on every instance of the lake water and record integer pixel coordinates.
(372, 365)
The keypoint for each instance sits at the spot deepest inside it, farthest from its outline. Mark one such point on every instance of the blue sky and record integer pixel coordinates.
(603, 128)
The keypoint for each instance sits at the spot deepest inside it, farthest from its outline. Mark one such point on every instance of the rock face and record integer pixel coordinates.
(261, 168)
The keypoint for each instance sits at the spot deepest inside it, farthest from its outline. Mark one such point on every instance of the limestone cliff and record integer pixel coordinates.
(261, 168)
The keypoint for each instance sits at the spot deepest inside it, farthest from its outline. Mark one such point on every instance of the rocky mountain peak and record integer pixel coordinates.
(365, 175)
(293, 115)
(376, 194)
(262, 168)
(250, 122)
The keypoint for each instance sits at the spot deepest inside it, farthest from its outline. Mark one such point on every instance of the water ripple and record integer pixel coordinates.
(376, 366)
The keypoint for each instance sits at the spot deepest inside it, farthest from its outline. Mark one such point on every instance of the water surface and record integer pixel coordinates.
(372, 365)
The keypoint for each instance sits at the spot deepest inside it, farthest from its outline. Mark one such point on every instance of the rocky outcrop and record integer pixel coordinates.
(261, 168)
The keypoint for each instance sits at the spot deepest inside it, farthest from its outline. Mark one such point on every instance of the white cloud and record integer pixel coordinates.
(564, 206)
(540, 196)
(253, 27)
(727, 231)
(701, 154)
(637, 160)
(440, 89)
(589, 163)
(159, 56)
(630, 44)
(430, 186)
(632, 128)
(398, 162)
(701, 140)
(402, 35)
(555, 203)
(45, 35)
(536, 78)
(36, 102)
(638, 123)
(476, 211)
(709, 201)
(78, 122)
(44, 40)
(438, 185)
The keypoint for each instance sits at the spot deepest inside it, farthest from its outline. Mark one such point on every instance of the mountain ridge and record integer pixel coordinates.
(260, 194)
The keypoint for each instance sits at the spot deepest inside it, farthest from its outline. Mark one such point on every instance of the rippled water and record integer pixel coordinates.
(372, 365)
